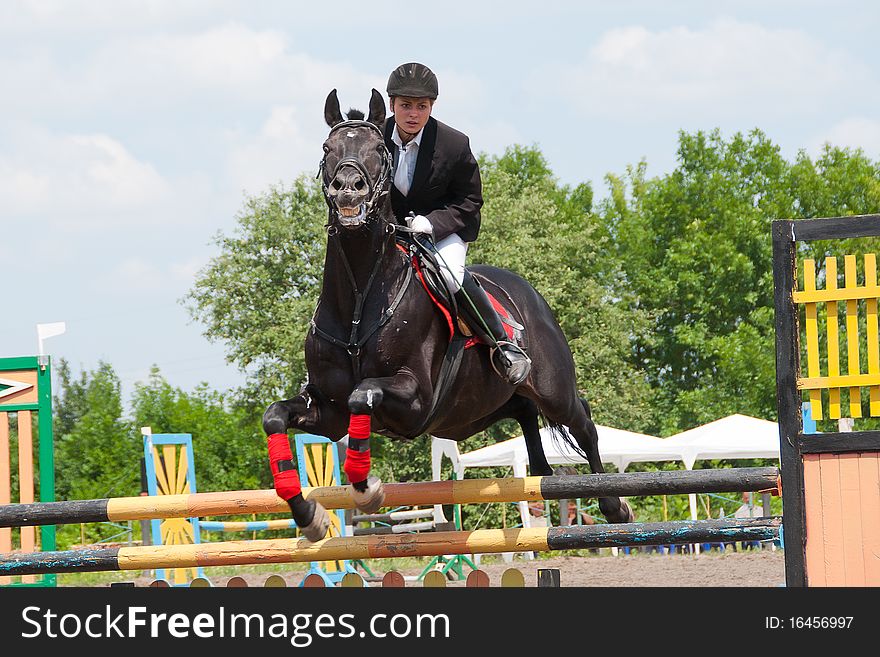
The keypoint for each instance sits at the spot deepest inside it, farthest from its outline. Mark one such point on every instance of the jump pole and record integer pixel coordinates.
(395, 516)
(247, 526)
(481, 541)
(464, 491)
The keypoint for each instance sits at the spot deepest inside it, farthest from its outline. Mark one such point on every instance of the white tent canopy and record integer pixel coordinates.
(616, 446)
(732, 437)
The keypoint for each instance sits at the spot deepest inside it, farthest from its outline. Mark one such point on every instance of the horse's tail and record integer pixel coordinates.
(560, 434)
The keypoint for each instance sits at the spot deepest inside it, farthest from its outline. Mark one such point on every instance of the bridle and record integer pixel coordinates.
(359, 335)
(375, 189)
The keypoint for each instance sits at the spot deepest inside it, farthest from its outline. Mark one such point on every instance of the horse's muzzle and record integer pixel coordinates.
(352, 217)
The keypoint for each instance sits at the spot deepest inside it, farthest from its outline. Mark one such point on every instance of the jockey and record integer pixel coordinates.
(437, 179)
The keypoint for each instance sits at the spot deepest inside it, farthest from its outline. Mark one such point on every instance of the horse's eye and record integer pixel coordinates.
(326, 148)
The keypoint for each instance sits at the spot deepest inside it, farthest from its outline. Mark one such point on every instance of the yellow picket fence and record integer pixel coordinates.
(850, 294)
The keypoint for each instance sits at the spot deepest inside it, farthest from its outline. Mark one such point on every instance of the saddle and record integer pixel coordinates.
(427, 269)
(461, 337)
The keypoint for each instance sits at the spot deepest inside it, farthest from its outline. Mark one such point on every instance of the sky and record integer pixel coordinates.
(131, 132)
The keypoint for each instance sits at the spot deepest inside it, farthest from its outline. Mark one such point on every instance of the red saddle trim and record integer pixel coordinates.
(446, 314)
(501, 310)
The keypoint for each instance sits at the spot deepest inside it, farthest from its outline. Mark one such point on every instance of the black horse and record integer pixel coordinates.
(377, 342)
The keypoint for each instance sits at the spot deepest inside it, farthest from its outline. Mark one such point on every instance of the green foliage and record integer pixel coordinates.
(695, 249)
(258, 295)
(98, 442)
(99, 451)
(841, 182)
(229, 447)
(547, 233)
(96, 452)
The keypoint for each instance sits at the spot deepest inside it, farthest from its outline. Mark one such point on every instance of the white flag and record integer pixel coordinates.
(45, 331)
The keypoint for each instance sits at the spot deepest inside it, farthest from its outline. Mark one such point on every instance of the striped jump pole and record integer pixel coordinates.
(480, 541)
(394, 516)
(464, 491)
(246, 526)
(426, 526)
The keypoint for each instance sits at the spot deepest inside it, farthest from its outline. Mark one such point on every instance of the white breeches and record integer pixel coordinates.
(452, 251)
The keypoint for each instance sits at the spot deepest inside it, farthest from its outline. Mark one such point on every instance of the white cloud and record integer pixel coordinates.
(185, 272)
(17, 16)
(135, 275)
(229, 102)
(140, 274)
(727, 69)
(108, 169)
(279, 151)
(854, 132)
(227, 56)
(93, 178)
(218, 73)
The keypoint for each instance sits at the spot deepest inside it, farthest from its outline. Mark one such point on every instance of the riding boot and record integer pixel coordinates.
(508, 359)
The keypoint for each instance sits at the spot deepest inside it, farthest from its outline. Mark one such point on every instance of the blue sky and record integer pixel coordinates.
(130, 131)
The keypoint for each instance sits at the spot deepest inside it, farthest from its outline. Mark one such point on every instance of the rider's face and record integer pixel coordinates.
(411, 114)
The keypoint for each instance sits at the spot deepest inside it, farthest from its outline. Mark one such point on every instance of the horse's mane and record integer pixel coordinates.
(354, 115)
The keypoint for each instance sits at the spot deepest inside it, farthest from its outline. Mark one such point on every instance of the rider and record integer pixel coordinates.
(437, 179)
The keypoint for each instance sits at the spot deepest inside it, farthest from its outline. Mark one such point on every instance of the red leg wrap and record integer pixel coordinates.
(359, 426)
(357, 465)
(287, 483)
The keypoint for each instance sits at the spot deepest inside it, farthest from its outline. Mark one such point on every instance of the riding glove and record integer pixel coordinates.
(421, 224)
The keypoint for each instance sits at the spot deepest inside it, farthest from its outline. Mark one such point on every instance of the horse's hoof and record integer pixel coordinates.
(616, 510)
(372, 498)
(318, 527)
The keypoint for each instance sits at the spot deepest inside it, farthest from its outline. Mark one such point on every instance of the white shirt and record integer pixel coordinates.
(406, 160)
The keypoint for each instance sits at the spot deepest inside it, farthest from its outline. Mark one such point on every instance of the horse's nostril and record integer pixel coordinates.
(359, 185)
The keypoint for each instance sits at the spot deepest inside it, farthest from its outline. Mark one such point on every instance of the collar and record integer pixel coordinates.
(395, 137)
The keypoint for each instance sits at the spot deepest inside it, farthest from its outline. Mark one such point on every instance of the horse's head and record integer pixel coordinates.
(356, 167)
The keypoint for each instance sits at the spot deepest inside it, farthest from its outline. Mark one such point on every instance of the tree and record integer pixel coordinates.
(548, 233)
(229, 447)
(97, 453)
(695, 249)
(258, 295)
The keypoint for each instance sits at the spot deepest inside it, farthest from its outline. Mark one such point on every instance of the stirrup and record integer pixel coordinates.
(506, 374)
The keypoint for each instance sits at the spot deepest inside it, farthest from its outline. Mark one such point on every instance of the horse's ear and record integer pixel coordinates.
(332, 114)
(377, 110)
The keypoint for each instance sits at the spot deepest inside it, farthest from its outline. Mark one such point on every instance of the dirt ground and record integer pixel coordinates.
(752, 568)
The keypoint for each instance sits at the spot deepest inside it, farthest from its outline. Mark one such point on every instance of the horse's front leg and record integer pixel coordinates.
(397, 395)
(298, 412)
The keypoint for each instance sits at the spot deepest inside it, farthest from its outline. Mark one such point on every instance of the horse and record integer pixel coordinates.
(377, 342)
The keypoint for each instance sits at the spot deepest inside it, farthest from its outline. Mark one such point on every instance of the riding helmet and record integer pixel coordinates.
(413, 80)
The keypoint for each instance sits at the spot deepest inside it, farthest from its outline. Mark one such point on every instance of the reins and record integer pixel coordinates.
(357, 338)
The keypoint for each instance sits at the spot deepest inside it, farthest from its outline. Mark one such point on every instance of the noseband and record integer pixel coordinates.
(376, 190)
